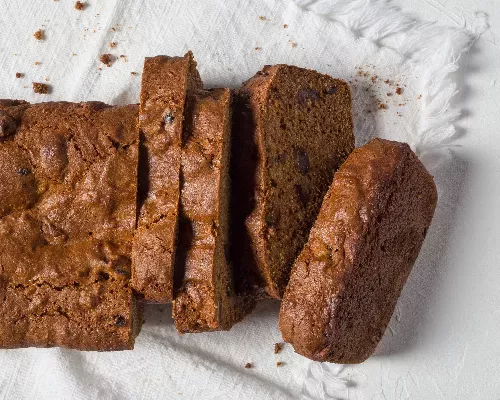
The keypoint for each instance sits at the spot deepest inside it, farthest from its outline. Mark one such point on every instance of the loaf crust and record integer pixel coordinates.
(207, 300)
(67, 216)
(166, 84)
(292, 130)
(345, 284)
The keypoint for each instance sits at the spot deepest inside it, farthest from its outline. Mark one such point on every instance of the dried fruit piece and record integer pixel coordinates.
(307, 94)
(302, 161)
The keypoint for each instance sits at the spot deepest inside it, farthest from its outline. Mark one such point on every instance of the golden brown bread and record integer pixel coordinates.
(207, 299)
(346, 281)
(67, 217)
(292, 130)
(166, 84)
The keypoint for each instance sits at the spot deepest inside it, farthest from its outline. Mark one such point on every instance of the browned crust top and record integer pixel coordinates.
(328, 275)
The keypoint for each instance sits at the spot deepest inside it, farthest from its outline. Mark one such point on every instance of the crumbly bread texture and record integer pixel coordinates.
(166, 83)
(345, 284)
(207, 300)
(292, 130)
(67, 217)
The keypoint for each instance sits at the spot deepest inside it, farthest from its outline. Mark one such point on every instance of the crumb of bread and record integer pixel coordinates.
(280, 363)
(80, 5)
(19, 75)
(262, 18)
(277, 348)
(382, 106)
(40, 88)
(133, 73)
(285, 26)
(106, 59)
(248, 365)
(399, 90)
(112, 44)
(39, 34)
(294, 44)
(37, 63)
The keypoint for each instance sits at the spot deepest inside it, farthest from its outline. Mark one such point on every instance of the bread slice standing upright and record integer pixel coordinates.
(207, 300)
(166, 84)
(292, 130)
(346, 282)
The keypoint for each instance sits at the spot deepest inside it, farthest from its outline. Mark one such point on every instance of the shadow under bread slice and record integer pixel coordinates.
(166, 83)
(345, 283)
(206, 301)
(292, 130)
(67, 217)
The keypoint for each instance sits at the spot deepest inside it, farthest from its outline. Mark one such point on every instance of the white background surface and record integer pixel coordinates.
(444, 341)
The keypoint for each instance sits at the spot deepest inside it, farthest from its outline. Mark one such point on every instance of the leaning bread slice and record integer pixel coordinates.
(293, 129)
(206, 300)
(346, 282)
(166, 84)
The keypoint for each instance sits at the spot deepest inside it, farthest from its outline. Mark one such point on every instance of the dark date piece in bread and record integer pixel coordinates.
(345, 283)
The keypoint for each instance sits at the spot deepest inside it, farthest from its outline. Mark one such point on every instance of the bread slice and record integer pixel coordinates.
(346, 282)
(206, 300)
(292, 130)
(166, 83)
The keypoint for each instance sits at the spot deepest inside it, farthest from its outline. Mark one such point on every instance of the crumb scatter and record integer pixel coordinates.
(40, 88)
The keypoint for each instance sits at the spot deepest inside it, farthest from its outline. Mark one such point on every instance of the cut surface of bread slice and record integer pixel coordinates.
(166, 84)
(345, 284)
(206, 300)
(292, 130)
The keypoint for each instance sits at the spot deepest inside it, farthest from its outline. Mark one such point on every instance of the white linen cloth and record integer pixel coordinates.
(364, 42)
